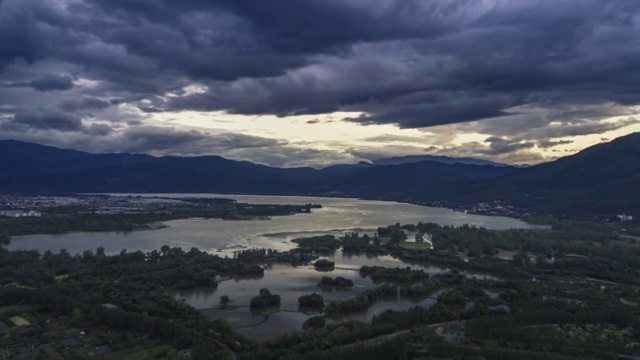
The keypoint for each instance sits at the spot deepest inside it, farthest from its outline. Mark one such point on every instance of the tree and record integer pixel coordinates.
(87, 255)
(100, 251)
(311, 300)
(265, 299)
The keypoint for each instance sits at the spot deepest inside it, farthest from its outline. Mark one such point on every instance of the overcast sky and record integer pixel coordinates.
(315, 82)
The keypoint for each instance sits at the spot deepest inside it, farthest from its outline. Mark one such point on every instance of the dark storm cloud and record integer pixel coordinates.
(48, 82)
(145, 138)
(542, 128)
(389, 138)
(550, 143)
(46, 119)
(308, 26)
(421, 111)
(499, 145)
(52, 82)
(462, 67)
(412, 63)
(33, 30)
(85, 103)
(99, 129)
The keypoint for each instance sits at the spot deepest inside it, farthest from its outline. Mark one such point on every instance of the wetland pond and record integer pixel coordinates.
(337, 216)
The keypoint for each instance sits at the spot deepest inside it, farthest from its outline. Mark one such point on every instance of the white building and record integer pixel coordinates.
(624, 217)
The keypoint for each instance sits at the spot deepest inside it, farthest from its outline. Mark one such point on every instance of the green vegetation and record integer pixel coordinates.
(584, 249)
(390, 350)
(5, 238)
(395, 233)
(421, 290)
(19, 321)
(325, 244)
(251, 255)
(363, 301)
(120, 302)
(84, 218)
(315, 322)
(265, 299)
(312, 300)
(401, 275)
(302, 344)
(324, 265)
(354, 243)
(560, 296)
(338, 281)
(415, 245)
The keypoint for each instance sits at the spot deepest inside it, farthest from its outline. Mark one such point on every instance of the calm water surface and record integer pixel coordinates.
(337, 216)
(292, 282)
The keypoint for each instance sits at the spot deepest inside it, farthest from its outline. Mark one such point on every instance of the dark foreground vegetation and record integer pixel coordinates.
(570, 291)
(117, 304)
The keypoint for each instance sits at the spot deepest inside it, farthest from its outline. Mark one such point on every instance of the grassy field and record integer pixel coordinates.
(144, 352)
(416, 245)
(462, 255)
(506, 255)
(19, 321)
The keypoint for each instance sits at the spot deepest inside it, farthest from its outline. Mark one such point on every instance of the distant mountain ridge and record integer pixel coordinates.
(38, 168)
(604, 178)
(437, 158)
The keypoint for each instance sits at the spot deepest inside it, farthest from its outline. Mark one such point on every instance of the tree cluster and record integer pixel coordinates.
(324, 265)
(265, 299)
(338, 281)
(312, 300)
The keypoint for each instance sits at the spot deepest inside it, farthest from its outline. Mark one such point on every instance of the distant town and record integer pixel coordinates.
(24, 205)
(16, 206)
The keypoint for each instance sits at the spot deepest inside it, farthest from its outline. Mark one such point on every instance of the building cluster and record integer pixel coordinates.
(20, 213)
(496, 208)
(23, 206)
(625, 218)
(48, 343)
(614, 218)
(29, 202)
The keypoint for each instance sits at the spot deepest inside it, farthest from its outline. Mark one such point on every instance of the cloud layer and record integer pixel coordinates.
(100, 69)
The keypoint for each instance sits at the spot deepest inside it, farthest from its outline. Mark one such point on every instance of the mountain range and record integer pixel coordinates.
(443, 159)
(601, 179)
(604, 178)
(29, 168)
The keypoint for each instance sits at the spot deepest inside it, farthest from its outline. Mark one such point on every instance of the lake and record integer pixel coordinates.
(337, 216)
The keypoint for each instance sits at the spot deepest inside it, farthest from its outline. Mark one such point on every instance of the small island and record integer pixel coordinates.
(311, 301)
(324, 265)
(324, 244)
(265, 299)
(338, 281)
